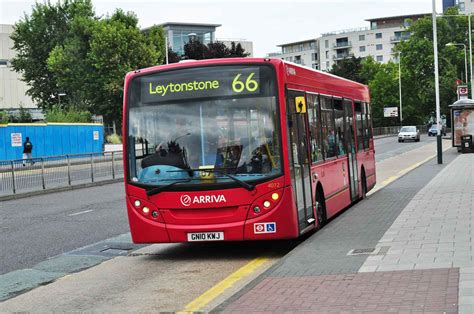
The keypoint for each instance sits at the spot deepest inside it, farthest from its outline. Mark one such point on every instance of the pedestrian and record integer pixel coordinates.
(27, 151)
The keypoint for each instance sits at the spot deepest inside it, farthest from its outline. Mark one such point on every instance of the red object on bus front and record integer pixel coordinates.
(242, 149)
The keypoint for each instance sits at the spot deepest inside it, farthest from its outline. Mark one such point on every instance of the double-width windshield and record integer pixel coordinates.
(203, 125)
(408, 129)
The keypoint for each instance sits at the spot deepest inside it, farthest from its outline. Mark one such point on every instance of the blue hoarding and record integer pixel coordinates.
(50, 139)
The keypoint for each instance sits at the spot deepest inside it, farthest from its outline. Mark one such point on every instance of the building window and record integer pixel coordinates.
(3, 63)
(327, 54)
(314, 56)
(326, 43)
(379, 47)
(380, 58)
(327, 65)
(373, 25)
(378, 35)
(301, 47)
(362, 49)
(315, 66)
(361, 37)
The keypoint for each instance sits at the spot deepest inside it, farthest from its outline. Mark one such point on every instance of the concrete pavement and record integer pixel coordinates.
(155, 285)
(416, 253)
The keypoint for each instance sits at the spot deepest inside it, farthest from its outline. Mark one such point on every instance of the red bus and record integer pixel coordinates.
(242, 149)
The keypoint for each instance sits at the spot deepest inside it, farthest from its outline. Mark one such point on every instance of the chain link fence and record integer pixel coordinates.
(18, 176)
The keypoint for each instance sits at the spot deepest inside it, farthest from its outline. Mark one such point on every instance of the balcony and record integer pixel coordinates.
(342, 44)
(342, 56)
(398, 38)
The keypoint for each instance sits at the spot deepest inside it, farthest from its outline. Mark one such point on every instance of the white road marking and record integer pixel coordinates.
(80, 213)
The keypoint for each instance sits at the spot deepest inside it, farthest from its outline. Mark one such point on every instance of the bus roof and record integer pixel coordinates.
(333, 82)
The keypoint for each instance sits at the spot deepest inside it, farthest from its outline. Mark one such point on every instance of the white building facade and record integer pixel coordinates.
(304, 52)
(377, 41)
(12, 88)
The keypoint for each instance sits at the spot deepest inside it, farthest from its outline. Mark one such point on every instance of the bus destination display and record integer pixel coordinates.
(199, 83)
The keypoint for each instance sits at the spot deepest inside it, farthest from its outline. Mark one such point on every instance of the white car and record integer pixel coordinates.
(409, 133)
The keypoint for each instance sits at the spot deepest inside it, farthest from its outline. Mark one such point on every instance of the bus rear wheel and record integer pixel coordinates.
(320, 209)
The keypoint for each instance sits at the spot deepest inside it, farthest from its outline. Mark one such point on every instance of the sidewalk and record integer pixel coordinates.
(420, 228)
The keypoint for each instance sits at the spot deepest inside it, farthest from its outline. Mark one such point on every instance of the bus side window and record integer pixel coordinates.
(315, 127)
(328, 129)
(369, 120)
(339, 123)
(359, 125)
(366, 125)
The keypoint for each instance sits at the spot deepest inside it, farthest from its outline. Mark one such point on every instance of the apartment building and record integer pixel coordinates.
(377, 40)
(304, 52)
(464, 6)
(12, 88)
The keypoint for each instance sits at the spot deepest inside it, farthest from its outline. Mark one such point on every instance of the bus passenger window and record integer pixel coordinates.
(339, 121)
(328, 129)
(366, 125)
(359, 125)
(315, 128)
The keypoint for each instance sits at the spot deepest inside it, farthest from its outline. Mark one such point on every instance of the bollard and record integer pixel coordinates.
(92, 168)
(42, 174)
(13, 177)
(68, 170)
(113, 166)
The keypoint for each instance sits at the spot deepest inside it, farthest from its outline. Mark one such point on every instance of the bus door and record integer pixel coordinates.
(351, 149)
(300, 159)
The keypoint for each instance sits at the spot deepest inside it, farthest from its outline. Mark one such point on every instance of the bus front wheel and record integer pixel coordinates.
(364, 185)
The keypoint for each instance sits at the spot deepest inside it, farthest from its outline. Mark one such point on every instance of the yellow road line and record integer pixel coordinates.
(226, 283)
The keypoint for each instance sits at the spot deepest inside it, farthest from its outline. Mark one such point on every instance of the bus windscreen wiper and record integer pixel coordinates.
(159, 189)
(242, 183)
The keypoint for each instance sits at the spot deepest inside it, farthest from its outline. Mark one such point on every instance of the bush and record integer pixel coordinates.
(113, 139)
(71, 115)
(4, 119)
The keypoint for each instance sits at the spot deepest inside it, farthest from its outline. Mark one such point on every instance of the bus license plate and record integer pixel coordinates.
(205, 236)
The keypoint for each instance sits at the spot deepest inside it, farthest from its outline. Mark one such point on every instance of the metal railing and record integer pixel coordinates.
(26, 175)
(393, 130)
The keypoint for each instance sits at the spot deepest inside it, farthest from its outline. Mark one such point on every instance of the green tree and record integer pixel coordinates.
(115, 49)
(350, 68)
(91, 65)
(417, 62)
(195, 50)
(35, 36)
(237, 51)
(173, 56)
(216, 49)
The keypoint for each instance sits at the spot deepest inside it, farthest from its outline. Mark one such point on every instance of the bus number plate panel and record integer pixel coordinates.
(205, 236)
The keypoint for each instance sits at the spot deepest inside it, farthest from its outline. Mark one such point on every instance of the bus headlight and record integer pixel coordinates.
(137, 203)
(266, 204)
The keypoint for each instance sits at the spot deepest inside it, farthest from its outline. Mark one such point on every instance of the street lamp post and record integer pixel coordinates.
(59, 98)
(435, 48)
(400, 85)
(465, 58)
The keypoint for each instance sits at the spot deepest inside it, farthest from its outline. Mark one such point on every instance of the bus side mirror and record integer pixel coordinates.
(300, 103)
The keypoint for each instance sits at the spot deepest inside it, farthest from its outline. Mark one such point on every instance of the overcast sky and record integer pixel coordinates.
(265, 23)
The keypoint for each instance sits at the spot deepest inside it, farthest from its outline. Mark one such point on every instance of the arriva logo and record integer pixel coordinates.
(202, 199)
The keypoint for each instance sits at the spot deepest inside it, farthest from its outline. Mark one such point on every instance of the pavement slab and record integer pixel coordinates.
(381, 292)
(412, 268)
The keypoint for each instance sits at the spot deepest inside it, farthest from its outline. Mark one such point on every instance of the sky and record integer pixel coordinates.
(264, 22)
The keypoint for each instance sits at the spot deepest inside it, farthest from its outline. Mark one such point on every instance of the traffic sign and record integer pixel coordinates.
(390, 112)
(463, 92)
